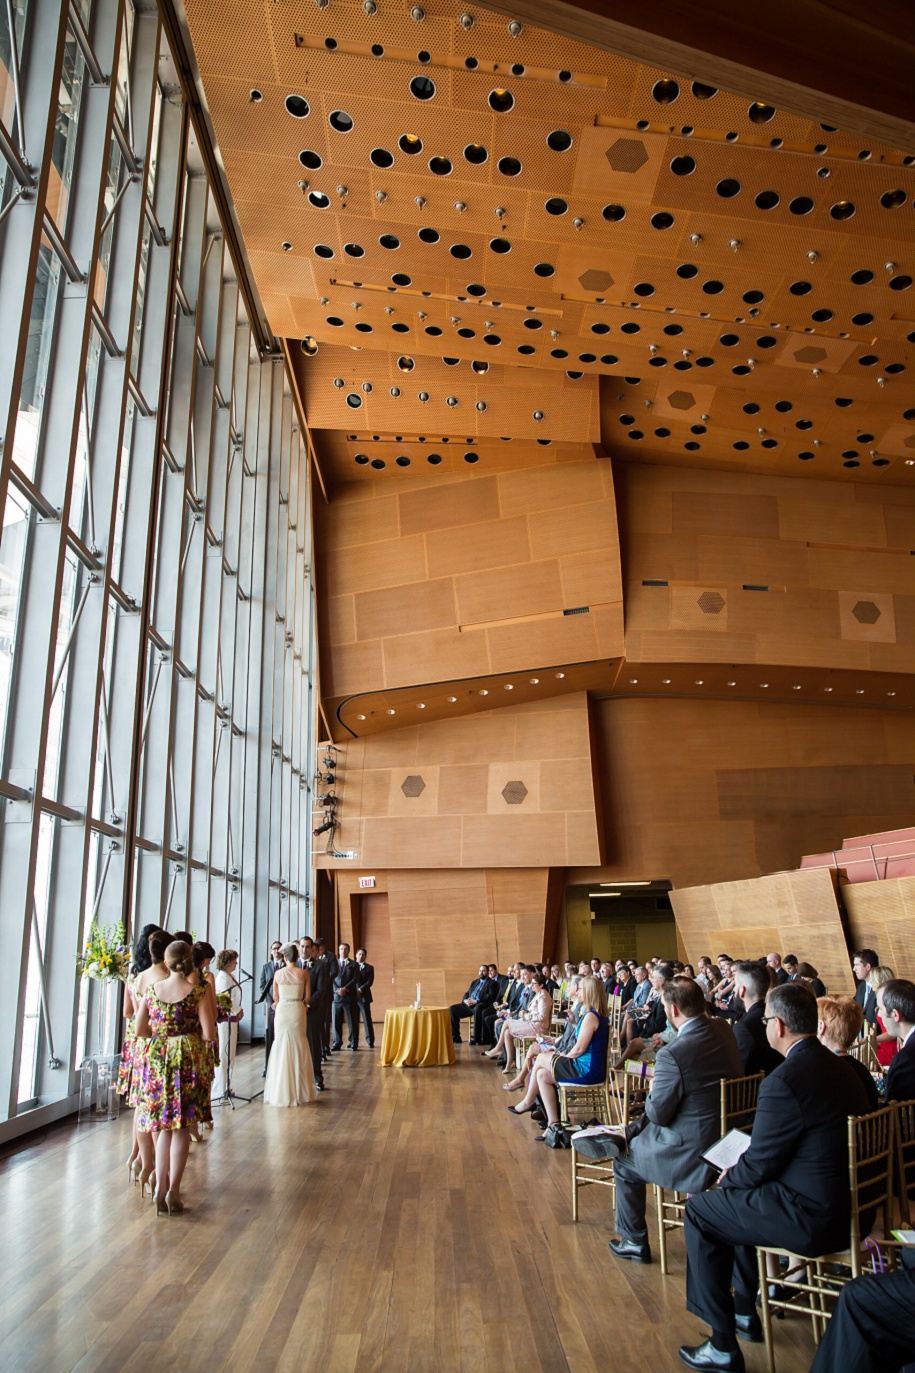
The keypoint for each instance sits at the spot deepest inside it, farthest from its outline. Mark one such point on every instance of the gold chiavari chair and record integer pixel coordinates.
(870, 1163)
(738, 1107)
(865, 1051)
(628, 1104)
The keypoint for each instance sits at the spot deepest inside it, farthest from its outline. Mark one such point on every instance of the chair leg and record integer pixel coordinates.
(766, 1311)
(574, 1184)
(662, 1233)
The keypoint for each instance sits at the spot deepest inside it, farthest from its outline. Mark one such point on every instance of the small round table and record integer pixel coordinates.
(417, 1039)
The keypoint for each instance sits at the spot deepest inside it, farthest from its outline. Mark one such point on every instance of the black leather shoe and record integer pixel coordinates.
(625, 1249)
(599, 1147)
(352, 1048)
(707, 1356)
(749, 1328)
(319, 1086)
(336, 1048)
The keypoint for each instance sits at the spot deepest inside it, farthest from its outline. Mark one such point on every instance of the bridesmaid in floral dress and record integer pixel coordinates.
(159, 941)
(204, 953)
(175, 1015)
(127, 1075)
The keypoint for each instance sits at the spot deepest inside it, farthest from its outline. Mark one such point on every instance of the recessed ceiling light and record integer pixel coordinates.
(859, 691)
(452, 699)
(535, 681)
(700, 681)
(509, 686)
(559, 676)
(389, 711)
(891, 693)
(484, 692)
(420, 705)
(665, 681)
(827, 688)
(633, 681)
(360, 717)
(731, 683)
(797, 687)
(764, 685)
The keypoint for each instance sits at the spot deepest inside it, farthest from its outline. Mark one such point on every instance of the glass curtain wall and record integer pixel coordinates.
(156, 610)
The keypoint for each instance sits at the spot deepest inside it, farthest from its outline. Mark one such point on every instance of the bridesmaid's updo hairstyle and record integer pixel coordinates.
(179, 958)
(290, 953)
(142, 958)
(158, 943)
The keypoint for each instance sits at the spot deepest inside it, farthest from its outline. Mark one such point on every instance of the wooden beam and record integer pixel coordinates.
(841, 62)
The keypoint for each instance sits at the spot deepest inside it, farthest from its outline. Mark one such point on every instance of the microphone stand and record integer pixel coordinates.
(229, 1098)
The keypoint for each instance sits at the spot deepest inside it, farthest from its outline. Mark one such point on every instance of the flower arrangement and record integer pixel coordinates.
(223, 1007)
(105, 956)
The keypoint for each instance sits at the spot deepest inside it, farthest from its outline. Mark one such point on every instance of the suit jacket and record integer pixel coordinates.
(627, 991)
(345, 981)
(683, 1113)
(656, 1020)
(800, 1144)
(866, 998)
(640, 994)
(782, 976)
(317, 971)
(900, 1078)
(503, 980)
(755, 1050)
(268, 972)
(484, 991)
(365, 976)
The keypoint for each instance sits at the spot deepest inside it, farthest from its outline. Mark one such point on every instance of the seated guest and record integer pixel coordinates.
(839, 1024)
(896, 1005)
(607, 976)
(790, 967)
(863, 961)
(682, 1117)
(625, 985)
(584, 969)
(481, 992)
(484, 1014)
(702, 975)
(530, 1024)
(637, 1035)
(556, 978)
(751, 984)
(548, 981)
(582, 1065)
(872, 1328)
(790, 1188)
(806, 972)
(568, 973)
(640, 991)
(885, 1044)
(565, 1040)
(774, 961)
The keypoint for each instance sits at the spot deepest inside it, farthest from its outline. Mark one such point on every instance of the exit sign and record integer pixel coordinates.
(366, 881)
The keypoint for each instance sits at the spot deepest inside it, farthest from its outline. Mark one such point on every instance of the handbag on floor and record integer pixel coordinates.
(557, 1138)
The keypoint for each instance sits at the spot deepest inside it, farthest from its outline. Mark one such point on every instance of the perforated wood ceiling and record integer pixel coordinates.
(566, 245)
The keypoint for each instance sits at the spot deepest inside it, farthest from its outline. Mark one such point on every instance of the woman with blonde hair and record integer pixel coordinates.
(885, 1045)
(583, 1065)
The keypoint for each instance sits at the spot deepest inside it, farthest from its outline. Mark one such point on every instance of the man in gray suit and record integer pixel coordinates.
(682, 1116)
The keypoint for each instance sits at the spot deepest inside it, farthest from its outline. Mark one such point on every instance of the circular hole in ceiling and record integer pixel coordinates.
(805, 457)
(286, 247)
(600, 328)
(461, 251)
(821, 316)
(297, 106)
(673, 329)
(565, 76)
(728, 187)
(363, 328)
(354, 250)
(378, 463)
(686, 271)
(475, 153)
(683, 166)
(741, 445)
(255, 96)
(729, 340)
(759, 113)
(440, 166)
(851, 462)
(843, 209)
(434, 459)
(405, 364)
(662, 433)
(323, 250)
(433, 331)
(705, 362)
(310, 160)
(340, 120)
(509, 166)
(560, 141)
(402, 460)
(410, 143)
(492, 339)
(544, 269)
(533, 324)
(753, 297)
(500, 245)
(767, 200)
(891, 200)
(479, 367)
(613, 213)
(868, 360)
(803, 424)
(783, 406)
(380, 157)
(665, 92)
(556, 205)
(377, 50)
(894, 368)
(801, 205)
(662, 220)
(428, 235)
(863, 277)
(451, 362)
(318, 199)
(501, 100)
(900, 283)
(422, 88)
(703, 92)
(475, 289)
(751, 408)
(862, 318)
(609, 359)
(354, 400)
(330, 44)
(630, 327)
(401, 328)
(559, 353)
(401, 279)
(844, 401)
(471, 63)
(644, 288)
(766, 341)
(471, 457)
(389, 241)
(362, 459)
(800, 288)
(423, 57)
(467, 333)
(517, 69)
(713, 288)
(335, 321)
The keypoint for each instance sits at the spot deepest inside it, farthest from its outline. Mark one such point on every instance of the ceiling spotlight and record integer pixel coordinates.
(370, 7)
(322, 4)
(395, 391)
(466, 21)
(633, 681)
(764, 685)
(652, 348)
(423, 396)
(255, 96)
(367, 387)
(554, 334)
(309, 346)
(891, 693)
(859, 691)
(665, 681)
(381, 196)
(538, 415)
(797, 687)
(499, 212)
(578, 223)
(419, 200)
(731, 684)
(889, 266)
(481, 406)
(813, 255)
(451, 700)
(559, 676)
(420, 705)
(734, 244)
(342, 191)
(535, 681)
(287, 247)
(339, 382)
(451, 400)
(360, 717)
(695, 239)
(515, 29)
(509, 686)
(483, 692)
(827, 688)
(390, 711)
(418, 13)
(700, 681)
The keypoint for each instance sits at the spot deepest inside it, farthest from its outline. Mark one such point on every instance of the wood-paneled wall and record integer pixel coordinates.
(789, 912)
(835, 558)
(881, 916)
(464, 578)
(510, 788)
(712, 791)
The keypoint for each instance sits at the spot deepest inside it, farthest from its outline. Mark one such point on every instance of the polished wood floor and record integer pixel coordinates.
(405, 1223)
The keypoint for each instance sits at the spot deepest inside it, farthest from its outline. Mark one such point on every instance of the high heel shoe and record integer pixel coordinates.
(161, 1203)
(520, 1110)
(512, 1086)
(134, 1166)
(174, 1204)
(147, 1176)
(196, 1136)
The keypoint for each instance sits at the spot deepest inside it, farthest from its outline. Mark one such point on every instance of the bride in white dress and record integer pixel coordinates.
(290, 1074)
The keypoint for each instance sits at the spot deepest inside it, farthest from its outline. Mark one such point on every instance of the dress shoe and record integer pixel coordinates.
(638, 1253)
(352, 1048)
(336, 1048)
(319, 1086)
(472, 1041)
(600, 1148)
(707, 1356)
(749, 1328)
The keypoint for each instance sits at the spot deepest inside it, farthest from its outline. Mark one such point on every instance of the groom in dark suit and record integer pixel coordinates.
(268, 972)
(365, 976)
(314, 1026)
(345, 1001)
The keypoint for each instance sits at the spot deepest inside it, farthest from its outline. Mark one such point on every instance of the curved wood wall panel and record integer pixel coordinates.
(766, 570)
(512, 788)
(881, 916)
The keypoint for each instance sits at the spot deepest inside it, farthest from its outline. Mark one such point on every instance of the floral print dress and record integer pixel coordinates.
(176, 1073)
(127, 1073)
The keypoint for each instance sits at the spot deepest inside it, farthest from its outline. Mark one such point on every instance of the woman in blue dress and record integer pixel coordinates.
(585, 1064)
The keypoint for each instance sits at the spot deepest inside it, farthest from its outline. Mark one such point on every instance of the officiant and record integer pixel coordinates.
(268, 972)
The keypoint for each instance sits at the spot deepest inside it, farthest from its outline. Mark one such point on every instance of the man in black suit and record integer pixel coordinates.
(481, 992)
(365, 976)
(873, 1326)
(774, 961)
(331, 968)
(485, 1015)
(863, 962)
(345, 1001)
(896, 1003)
(314, 1024)
(751, 985)
(790, 1188)
(268, 972)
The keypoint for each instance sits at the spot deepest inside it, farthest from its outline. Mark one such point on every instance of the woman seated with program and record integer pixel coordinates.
(581, 1066)
(567, 1038)
(534, 1022)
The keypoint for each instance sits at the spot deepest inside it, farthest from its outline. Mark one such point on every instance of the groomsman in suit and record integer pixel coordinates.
(345, 1001)
(331, 968)
(314, 1025)
(481, 992)
(484, 1016)
(268, 972)
(365, 976)
(864, 962)
(896, 1003)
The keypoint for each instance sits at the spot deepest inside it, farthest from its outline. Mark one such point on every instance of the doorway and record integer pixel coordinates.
(372, 931)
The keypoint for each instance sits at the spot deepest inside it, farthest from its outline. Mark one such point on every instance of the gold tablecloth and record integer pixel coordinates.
(417, 1039)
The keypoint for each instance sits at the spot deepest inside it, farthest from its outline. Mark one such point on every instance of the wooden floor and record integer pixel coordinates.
(405, 1223)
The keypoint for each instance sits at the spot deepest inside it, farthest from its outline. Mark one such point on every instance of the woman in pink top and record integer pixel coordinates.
(533, 1022)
